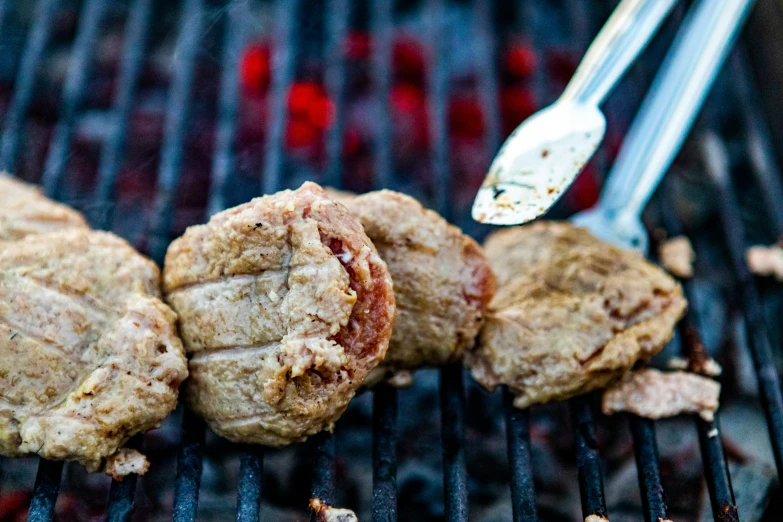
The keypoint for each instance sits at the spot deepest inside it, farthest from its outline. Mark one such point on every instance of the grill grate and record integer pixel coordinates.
(191, 451)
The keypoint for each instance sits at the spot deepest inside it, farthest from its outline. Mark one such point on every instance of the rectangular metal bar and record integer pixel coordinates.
(82, 58)
(176, 128)
(381, 24)
(591, 480)
(189, 467)
(113, 150)
(757, 138)
(646, 451)
(384, 454)
(250, 474)
(717, 164)
(523, 493)
(13, 126)
(121, 493)
(716, 472)
(452, 411)
(437, 83)
(47, 487)
(488, 75)
(284, 68)
(337, 20)
(234, 40)
(323, 477)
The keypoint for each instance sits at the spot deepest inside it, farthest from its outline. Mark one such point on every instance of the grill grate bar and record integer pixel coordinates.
(438, 118)
(757, 139)
(323, 468)
(488, 78)
(176, 127)
(591, 481)
(715, 470)
(79, 69)
(25, 83)
(250, 474)
(381, 64)
(283, 70)
(646, 452)
(136, 31)
(45, 491)
(724, 507)
(384, 454)
(121, 495)
(452, 411)
(717, 164)
(235, 38)
(338, 12)
(523, 494)
(189, 466)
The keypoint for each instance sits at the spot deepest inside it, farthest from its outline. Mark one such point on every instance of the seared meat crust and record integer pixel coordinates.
(24, 211)
(442, 280)
(284, 307)
(90, 355)
(571, 314)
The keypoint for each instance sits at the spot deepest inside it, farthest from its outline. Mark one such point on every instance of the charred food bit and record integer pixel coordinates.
(25, 211)
(653, 394)
(571, 314)
(677, 256)
(284, 308)
(766, 261)
(324, 513)
(125, 462)
(442, 280)
(90, 354)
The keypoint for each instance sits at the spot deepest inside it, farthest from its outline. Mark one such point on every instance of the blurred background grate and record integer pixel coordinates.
(149, 116)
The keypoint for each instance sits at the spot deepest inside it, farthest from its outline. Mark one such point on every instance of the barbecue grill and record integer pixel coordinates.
(221, 142)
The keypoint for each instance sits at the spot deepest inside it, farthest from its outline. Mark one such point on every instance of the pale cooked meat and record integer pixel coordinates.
(571, 314)
(325, 513)
(442, 280)
(655, 395)
(766, 260)
(125, 462)
(90, 354)
(677, 256)
(24, 211)
(284, 307)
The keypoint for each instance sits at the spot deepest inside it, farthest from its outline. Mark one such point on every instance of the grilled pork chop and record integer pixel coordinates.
(571, 314)
(90, 355)
(442, 280)
(284, 307)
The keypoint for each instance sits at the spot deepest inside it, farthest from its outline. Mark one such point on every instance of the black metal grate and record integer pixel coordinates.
(191, 451)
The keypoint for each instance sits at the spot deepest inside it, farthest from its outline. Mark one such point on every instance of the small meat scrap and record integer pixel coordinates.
(125, 462)
(324, 513)
(708, 367)
(655, 395)
(766, 261)
(677, 256)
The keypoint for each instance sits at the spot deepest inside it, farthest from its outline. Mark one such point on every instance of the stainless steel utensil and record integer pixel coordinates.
(664, 120)
(541, 158)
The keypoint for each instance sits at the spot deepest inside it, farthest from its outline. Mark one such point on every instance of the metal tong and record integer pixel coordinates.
(664, 120)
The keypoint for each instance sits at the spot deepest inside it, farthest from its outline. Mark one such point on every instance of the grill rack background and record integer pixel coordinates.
(385, 400)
